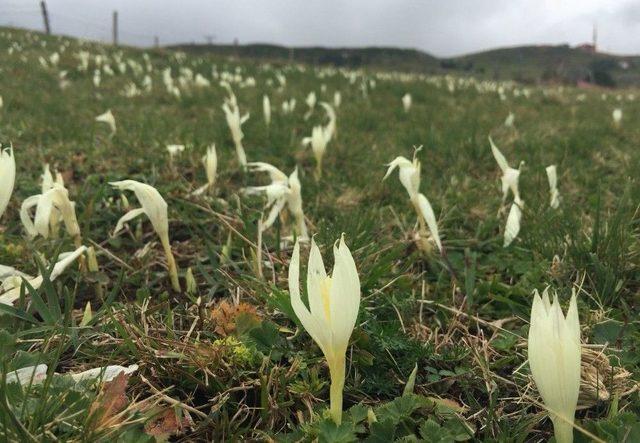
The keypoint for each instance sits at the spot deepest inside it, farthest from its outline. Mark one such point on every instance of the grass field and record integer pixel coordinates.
(225, 358)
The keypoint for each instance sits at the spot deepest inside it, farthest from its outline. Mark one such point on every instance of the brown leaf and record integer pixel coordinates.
(225, 314)
(165, 425)
(110, 402)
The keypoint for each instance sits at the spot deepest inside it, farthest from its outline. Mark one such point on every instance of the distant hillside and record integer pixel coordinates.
(386, 58)
(529, 64)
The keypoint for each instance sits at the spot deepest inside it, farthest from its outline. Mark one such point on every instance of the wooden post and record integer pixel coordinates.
(45, 17)
(115, 28)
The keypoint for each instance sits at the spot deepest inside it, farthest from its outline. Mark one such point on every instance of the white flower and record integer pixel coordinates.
(7, 177)
(554, 359)
(318, 142)
(175, 150)
(235, 122)
(155, 208)
(512, 228)
(330, 128)
(337, 99)
(311, 103)
(553, 186)
(406, 102)
(409, 174)
(210, 162)
(508, 122)
(334, 303)
(510, 176)
(109, 119)
(266, 109)
(617, 117)
(429, 217)
(282, 191)
(63, 263)
(51, 206)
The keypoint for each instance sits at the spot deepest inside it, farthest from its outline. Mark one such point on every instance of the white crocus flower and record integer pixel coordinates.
(210, 162)
(406, 102)
(7, 177)
(512, 227)
(318, 142)
(409, 173)
(276, 200)
(508, 122)
(266, 109)
(282, 191)
(330, 128)
(334, 302)
(617, 117)
(175, 149)
(63, 263)
(155, 208)
(311, 103)
(235, 122)
(51, 206)
(109, 119)
(510, 176)
(337, 99)
(554, 359)
(552, 175)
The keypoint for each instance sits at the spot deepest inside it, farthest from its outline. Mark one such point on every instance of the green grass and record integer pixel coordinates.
(263, 378)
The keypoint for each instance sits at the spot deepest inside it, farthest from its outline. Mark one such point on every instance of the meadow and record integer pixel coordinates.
(439, 349)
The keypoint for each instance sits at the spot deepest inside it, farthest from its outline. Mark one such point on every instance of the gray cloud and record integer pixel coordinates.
(440, 27)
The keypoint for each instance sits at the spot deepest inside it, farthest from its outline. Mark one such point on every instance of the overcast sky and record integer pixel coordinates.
(440, 27)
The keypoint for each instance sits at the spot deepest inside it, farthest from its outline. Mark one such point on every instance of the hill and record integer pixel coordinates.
(528, 64)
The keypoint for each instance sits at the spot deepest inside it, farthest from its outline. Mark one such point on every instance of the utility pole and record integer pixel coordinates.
(115, 28)
(45, 17)
(156, 42)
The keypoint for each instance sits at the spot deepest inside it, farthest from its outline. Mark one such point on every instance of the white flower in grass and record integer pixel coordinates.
(334, 302)
(7, 177)
(64, 260)
(235, 122)
(554, 359)
(282, 191)
(318, 142)
(174, 150)
(508, 122)
(337, 99)
(552, 175)
(510, 176)
(210, 162)
(512, 227)
(617, 117)
(155, 208)
(330, 128)
(409, 174)
(407, 102)
(311, 103)
(52, 206)
(266, 109)
(109, 119)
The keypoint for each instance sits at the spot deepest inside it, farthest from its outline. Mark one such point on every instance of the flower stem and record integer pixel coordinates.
(563, 430)
(337, 372)
(171, 263)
